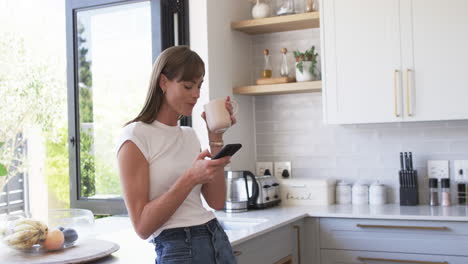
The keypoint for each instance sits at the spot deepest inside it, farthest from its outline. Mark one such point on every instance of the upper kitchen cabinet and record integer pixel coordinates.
(360, 57)
(394, 61)
(437, 66)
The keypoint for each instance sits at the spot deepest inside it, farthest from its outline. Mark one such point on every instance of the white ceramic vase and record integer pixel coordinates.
(260, 10)
(305, 75)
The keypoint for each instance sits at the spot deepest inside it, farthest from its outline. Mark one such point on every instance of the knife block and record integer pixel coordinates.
(409, 189)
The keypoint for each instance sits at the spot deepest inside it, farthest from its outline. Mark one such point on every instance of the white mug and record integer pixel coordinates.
(217, 115)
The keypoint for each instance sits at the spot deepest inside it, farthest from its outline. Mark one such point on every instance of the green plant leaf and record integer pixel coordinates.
(3, 170)
(300, 66)
(1, 144)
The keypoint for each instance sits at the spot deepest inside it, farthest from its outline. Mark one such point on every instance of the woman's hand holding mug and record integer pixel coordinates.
(220, 114)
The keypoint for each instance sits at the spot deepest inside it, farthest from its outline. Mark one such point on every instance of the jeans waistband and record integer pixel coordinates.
(190, 231)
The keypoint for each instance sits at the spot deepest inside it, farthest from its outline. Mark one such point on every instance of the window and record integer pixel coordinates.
(111, 46)
(33, 125)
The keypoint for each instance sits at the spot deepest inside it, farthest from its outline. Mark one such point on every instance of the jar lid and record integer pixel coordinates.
(432, 182)
(377, 183)
(343, 183)
(360, 183)
(445, 183)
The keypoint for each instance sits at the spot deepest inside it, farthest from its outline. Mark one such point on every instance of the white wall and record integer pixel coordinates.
(226, 54)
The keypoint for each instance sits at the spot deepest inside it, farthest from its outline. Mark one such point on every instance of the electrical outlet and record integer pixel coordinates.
(280, 167)
(438, 169)
(460, 170)
(262, 166)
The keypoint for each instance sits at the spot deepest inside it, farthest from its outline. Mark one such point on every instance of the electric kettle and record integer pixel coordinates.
(238, 198)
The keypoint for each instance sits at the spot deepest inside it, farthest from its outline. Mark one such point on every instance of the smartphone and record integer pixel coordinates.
(227, 150)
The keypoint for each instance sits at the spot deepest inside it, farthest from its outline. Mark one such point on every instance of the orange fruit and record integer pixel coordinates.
(54, 240)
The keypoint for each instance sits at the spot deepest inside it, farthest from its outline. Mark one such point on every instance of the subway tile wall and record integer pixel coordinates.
(290, 128)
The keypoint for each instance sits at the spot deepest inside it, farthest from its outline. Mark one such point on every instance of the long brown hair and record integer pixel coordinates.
(176, 63)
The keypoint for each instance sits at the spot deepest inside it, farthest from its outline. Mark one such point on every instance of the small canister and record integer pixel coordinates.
(360, 193)
(343, 193)
(377, 194)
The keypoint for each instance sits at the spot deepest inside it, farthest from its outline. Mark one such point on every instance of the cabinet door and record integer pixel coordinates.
(272, 247)
(438, 79)
(369, 257)
(362, 61)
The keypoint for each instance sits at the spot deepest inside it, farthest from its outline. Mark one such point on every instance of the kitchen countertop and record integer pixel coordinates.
(135, 250)
(279, 216)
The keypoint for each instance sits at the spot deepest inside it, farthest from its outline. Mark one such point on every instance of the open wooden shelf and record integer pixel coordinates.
(282, 88)
(278, 23)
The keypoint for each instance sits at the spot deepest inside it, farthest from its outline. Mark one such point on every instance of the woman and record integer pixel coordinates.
(163, 172)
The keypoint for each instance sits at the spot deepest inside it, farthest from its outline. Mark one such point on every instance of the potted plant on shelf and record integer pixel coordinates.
(306, 65)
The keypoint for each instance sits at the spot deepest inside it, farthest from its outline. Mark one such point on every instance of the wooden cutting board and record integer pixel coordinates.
(83, 252)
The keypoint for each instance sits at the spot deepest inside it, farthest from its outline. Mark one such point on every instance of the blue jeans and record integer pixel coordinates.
(204, 244)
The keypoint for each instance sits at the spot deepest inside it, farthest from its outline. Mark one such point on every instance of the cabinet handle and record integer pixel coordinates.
(237, 253)
(395, 97)
(298, 235)
(439, 228)
(364, 259)
(408, 108)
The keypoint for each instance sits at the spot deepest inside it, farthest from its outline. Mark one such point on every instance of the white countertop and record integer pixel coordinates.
(279, 216)
(135, 250)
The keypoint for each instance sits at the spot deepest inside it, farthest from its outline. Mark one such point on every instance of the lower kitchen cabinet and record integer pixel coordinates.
(383, 241)
(279, 246)
(370, 257)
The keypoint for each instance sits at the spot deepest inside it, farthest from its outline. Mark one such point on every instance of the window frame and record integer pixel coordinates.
(162, 13)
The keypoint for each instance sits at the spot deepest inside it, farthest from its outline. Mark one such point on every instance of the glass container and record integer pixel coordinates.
(461, 193)
(266, 72)
(433, 192)
(284, 7)
(445, 184)
(311, 5)
(284, 70)
(75, 224)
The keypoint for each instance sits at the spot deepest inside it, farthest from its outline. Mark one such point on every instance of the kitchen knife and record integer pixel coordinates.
(406, 161)
(401, 161)
(410, 158)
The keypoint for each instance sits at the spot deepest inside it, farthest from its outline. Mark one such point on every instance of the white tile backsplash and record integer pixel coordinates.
(290, 127)
(294, 131)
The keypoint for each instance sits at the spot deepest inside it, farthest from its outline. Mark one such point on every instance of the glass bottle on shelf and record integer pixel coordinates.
(311, 6)
(266, 72)
(284, 7)
(284, 70)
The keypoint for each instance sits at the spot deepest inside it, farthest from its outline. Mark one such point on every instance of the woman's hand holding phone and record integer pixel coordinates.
(205, 170)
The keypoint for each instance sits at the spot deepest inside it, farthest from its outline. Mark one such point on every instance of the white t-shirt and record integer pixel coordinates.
(170, 151)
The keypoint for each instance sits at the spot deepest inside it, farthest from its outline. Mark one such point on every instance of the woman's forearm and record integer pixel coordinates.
(158, 211)
(215, 191)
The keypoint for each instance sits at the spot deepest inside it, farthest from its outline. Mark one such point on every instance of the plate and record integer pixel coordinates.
(83, 252)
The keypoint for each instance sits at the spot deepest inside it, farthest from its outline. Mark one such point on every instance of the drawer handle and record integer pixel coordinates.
(237, 253)
(298, 234)
(363, 259)
(440, 228)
